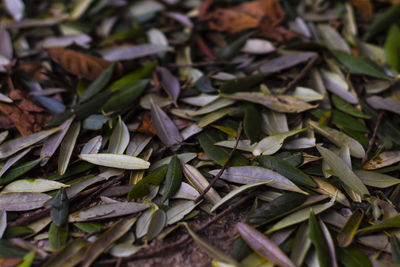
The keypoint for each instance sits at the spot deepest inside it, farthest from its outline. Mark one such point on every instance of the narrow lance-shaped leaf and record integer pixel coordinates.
(33, 185)
(173, 178)
(22, 201)
(393, 222)
(289, 171)
(170, 83)
(116, 161)
(98, 84)
(70, 255)
(348, 231)
(3, 222)
(58, 236)
(252, 122)
(9, 148)
(60, 208)
(165, 128)
(50, 146)
(13, 160)
(319, 242)
(271, 144)
(343, 171)
(67, 147)
(119, 138)
(19, 170)
(263, 246)
(236, 192)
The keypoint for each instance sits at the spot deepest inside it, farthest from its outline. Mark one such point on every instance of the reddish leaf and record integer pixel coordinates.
(79, 64)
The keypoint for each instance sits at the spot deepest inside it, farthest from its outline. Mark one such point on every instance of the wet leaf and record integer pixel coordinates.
(116, 161)
(263, 245)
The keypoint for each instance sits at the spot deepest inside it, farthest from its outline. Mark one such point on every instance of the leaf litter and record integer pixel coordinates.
(115, 133)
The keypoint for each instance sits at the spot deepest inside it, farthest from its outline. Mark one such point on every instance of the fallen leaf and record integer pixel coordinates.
(79, 64)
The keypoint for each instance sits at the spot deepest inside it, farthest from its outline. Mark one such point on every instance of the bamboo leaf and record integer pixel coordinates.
(271, 144)
(319, 242)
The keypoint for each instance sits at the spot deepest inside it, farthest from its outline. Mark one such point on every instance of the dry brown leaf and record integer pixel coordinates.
(265, 15)
(33, 69)
(146, 126)
(79, 64)
(26, 116)
(10, 262)
(364, 8)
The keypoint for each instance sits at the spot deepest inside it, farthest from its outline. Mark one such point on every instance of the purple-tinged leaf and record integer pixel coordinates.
(286, 61)
(63, 41)
(165, 128)
(170, 83)
(6, 48)
(20, 201)
(180, 18)
(263, 246)
(385, 103)
(15, 8)
(127, 52)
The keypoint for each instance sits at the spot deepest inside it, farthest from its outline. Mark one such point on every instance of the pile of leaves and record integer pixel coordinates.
(123, 122)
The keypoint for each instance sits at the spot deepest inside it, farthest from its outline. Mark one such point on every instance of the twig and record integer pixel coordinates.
(200, 64)
(301, 75)
(373, 137)
(184, 238)
(223, 167)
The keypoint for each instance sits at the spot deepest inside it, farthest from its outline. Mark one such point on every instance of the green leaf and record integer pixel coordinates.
(98, 84)
(318, 240)
(247, 83)
(289, 171)
(116, 231)
(392, 47)
(360, 65)
(346, 107)
(383, 21)
(233, 48)
(353, 257)
(60, 208)
(141, 188)
(8, 250)
(343, 171)
(348, 231)
(393, 222)
(28, 259)
(70, 255)
(88, 227)
(277, 208)
(157, 224)
(235, 193)
(341, 120)
(67, 147)
(252, 122)
(378, 180)
(125, 95)
(119, 138)
(58, 236)
(394, 243)
(173, 178)
(18, 231)
(19, 170)
(132, 77)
